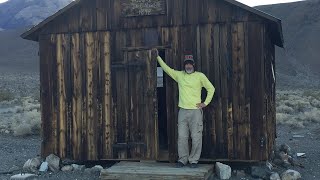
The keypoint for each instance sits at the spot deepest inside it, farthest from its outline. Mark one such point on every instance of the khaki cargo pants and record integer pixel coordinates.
(190, 120)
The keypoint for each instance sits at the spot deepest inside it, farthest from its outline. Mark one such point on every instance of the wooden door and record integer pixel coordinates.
(135, 106)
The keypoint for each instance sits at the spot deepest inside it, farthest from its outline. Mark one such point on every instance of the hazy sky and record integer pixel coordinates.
(248, 2)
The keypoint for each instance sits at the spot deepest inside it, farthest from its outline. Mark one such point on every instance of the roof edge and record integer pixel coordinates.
(26, 35)
(264, 15)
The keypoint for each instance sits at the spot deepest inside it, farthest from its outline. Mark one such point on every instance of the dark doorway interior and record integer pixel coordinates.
(162, 109)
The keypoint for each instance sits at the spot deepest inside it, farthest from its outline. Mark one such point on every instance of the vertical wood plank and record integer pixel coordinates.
(247, 92)
(171, 35)
(62, 50)
(230, 124)
(224, 59)
(217, 83)
(242, 136)
(47, 54)
(257, 96)
(90, 59)
(151, 107)
(207, 64)
(102, 7)
(106, 107)
(76, 97)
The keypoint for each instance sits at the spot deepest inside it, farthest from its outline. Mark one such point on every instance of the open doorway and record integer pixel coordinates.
(162, 109)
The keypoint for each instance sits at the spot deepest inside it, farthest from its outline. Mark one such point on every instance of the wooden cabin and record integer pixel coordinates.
(104, 97)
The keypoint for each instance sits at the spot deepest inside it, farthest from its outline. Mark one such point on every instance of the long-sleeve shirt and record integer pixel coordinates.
(190, 86)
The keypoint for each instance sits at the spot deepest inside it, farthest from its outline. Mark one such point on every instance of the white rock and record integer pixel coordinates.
(77, 167)
(44, 167)
(275, 176)
(32, 165)
(97, 167)
(291, 175)
(24, 177)
(223, 171)
(53, 162)
(67, 168)
(7, 131)
(88, 171)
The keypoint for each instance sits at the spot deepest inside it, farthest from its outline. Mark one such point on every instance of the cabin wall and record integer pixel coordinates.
(75, 95)
(91, 91)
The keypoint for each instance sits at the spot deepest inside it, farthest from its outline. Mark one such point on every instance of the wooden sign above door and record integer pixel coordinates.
(130, 8)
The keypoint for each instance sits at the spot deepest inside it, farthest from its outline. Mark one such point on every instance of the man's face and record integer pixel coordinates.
(189, 68)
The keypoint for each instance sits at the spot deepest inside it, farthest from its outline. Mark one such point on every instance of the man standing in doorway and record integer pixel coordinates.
(190, 83)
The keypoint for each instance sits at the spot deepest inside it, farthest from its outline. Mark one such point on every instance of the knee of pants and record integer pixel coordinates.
(181, 138)
(196, 137)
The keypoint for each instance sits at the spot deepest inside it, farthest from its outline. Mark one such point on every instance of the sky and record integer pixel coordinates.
(247, 2)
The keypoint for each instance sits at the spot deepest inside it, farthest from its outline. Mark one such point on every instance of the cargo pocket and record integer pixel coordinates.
(200, 127)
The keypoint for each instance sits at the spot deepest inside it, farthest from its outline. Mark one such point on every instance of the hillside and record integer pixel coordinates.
(17, 54)
(21, 13)
(299, 63)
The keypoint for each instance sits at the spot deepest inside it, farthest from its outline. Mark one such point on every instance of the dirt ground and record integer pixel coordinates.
(14, 151)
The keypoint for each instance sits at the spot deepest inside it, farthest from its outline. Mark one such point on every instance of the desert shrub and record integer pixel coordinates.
(6, 95)
(287, 119)
(312, 93)
(22, 116)
(315, 103)
(310, 116)
(284, 109)
(297, 107)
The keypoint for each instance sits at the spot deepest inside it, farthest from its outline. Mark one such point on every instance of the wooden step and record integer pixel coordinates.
(155, 171)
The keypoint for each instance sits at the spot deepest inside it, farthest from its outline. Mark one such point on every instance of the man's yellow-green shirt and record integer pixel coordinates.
(190, 86)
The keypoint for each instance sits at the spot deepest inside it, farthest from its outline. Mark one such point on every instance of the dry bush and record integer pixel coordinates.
(298, 108)
(6, 95)
(21, 116)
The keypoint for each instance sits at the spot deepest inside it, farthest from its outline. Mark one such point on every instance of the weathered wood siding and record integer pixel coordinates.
(98, 80)
(97, 15)
(75, 95)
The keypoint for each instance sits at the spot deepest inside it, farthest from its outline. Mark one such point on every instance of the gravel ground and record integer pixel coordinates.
(14, 151)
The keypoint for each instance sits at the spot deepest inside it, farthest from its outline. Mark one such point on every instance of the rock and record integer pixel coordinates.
(67, 168)
(87, 171)
(14, 168)
(275, 176)
(77, 167)
(291, 175)
(301, 155)
(94, 170)
(278, 162)
(97, 167)
(7, 131)
(285, 148)
(259, 172)
(298, 136)
(44, 167)
(269, 165)
(32, 165)
(239, 173)
(223, 171)
(24, 177)
(53, 162)
(284, 156)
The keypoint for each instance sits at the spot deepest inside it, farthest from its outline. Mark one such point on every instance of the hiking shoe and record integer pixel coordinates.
(179, 165)
(193, 165)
